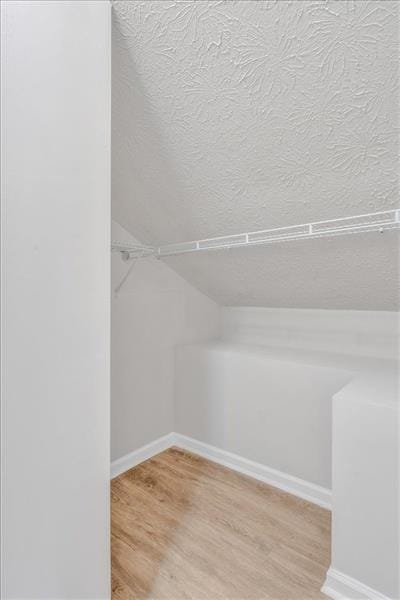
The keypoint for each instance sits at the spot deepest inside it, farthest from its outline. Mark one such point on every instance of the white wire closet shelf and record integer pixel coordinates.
(369, 222)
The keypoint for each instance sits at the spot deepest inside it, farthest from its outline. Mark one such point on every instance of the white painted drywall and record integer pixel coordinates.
(237, 116)
(353, 332)
(269, 407)
(153, 311)
(55, 299)
(365, 517)
(265, 390)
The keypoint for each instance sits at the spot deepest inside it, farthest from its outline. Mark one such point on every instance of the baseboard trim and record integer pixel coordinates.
(288, 483)
(342, 587)
(141, 454)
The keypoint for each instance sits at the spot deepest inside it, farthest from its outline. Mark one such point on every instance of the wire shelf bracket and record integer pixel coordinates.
(128, 250)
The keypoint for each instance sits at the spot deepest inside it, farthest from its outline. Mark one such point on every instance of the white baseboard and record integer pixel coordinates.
(141, 454)
(288, 483)
(342, 587)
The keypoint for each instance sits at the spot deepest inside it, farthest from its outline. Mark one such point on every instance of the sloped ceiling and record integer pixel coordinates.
(237, 116)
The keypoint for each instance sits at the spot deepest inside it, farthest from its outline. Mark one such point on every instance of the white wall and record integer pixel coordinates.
(265, 392)
(265, 407)
(153, 311)
(55, 299)
(352, 332)
(365, 518)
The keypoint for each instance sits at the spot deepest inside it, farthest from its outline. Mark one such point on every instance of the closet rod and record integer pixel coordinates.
(369, 222)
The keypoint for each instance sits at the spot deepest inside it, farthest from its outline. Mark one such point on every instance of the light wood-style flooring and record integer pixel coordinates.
(183, 527)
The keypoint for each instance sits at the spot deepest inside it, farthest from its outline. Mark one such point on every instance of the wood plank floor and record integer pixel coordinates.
(183, 527)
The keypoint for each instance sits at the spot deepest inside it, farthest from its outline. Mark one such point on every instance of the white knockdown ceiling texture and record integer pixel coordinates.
(237, 116)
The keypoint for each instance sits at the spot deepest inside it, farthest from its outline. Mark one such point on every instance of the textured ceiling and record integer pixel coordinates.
(234, 116)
